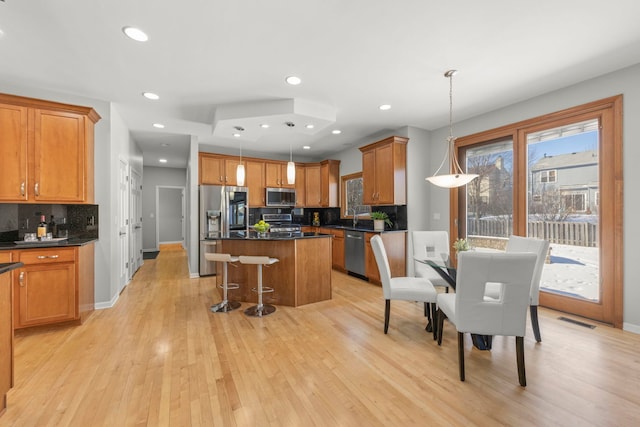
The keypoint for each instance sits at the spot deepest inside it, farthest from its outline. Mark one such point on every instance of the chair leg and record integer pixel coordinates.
(435, 321)
(533, 309)
(440, 325)
(427, 312)
(461, 354)
(387, 309)
(522, 377)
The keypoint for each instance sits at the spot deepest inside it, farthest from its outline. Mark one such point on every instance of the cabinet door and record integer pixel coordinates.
(13, 153)
(370, 265)
(231, 169)
(273, 174)
(338, 253)
(255, 182)
(369, 177)
(60, 161)
(300, 186)
(384, 175)
(312, 183)
(46, 294)
(211, 170)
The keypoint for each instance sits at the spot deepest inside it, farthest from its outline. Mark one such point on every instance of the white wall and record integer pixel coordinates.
(192, 238)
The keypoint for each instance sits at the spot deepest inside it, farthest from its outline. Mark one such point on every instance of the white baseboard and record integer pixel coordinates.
(109, 304)
(630, 327)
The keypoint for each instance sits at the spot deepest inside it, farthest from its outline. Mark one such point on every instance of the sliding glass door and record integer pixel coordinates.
(559, 178)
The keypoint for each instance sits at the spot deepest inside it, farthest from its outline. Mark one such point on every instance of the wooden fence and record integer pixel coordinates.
(561, 232)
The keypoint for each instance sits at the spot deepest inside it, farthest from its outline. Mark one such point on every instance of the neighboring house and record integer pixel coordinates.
(569, 182)
(492, 192)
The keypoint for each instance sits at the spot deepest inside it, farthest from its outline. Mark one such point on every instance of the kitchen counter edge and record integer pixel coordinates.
(39, 245)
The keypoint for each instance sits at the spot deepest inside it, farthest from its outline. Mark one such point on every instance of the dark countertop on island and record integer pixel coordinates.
(252, 235)
(8, 266)
(47, 244)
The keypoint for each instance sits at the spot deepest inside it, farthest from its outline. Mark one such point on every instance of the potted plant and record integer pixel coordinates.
(461, 245)
(379, 219)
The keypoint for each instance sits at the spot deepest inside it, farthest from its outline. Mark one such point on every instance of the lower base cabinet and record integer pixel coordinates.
(54, 285)
(6, 339)
(337, 251)
(395, 246)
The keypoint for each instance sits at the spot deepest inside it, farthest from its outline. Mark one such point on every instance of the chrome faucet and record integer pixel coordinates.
(355, 216)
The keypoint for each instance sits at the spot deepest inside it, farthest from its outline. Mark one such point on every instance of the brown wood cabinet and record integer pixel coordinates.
(276, 175)
(6, 334)
(301, 186)
(216, 169)
(313, 196)
(395, 246)
(337, 250)
(47, 150)
(254, 170)
(384, 172)
(329, 183)
(54, 285)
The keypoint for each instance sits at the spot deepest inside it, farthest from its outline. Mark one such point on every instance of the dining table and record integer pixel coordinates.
(446, 269)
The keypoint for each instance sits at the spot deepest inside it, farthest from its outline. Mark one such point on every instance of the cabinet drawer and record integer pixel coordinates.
(43, 256)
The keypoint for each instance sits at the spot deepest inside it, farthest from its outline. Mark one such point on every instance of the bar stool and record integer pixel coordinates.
(225, 305)
(260, 309)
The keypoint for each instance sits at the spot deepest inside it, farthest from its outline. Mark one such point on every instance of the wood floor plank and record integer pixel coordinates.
(159, 357)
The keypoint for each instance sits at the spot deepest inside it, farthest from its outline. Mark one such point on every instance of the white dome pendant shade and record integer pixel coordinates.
(456, 177)
(291, 169)
(240, 171)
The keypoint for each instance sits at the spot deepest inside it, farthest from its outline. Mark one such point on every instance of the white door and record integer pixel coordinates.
(135, 221)
(123, 225)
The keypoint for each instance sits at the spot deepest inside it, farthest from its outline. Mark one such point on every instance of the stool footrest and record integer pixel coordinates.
(230, 286)
(265, 290)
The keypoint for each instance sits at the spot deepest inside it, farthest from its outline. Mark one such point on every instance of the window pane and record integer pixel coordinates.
(563, 206)
(490, 196)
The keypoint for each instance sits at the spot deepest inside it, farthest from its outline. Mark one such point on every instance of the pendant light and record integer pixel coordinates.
(291, 167)
(456, 177)
(240, 171)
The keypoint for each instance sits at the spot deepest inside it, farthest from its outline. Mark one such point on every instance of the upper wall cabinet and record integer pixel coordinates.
(276, 175)
(218, 170)
(384, 172)
(46, 155)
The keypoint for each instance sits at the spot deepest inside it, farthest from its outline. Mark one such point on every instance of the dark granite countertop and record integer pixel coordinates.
(8, 266)
(241, 235)
(364, 229)
(46, 244)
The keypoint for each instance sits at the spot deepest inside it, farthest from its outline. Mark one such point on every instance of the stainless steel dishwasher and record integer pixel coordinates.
(354, 252)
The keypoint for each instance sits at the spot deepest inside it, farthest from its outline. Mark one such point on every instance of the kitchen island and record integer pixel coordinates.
(302, 275)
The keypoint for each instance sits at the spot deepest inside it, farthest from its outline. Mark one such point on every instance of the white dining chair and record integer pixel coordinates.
(401, 288)
(539, 247)
(471, 312)
(433, 246)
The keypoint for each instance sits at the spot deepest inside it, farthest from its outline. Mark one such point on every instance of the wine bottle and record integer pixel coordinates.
(53, 227)
(42, 227)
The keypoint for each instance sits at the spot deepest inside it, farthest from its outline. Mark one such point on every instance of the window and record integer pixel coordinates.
(548, 176)
(574, 202)
(352, 196)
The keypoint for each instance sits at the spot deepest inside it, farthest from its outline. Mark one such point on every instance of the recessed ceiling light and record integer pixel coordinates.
(309, 126)
(293, 80)
(237, 135)
(385, 107)
(158, 125)
(306, 147)
(162, 160)
(151, 95)
(135, 34)
(264, 125)
(336, 131)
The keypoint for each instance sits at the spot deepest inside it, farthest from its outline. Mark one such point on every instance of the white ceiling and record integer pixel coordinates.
(352, 56)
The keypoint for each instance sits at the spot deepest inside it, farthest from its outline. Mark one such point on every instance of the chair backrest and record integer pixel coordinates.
(383, 265)
(506, 316)
(540, 248)
(431, 245)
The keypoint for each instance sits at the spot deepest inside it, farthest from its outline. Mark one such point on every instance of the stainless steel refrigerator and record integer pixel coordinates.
(223, 209)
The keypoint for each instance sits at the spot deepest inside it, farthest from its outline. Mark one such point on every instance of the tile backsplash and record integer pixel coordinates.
(79, 221)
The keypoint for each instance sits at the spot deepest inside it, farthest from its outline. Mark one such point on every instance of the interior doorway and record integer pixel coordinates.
(170, 210)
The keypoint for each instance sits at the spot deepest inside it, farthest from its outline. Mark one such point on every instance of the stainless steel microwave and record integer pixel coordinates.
(281, 197)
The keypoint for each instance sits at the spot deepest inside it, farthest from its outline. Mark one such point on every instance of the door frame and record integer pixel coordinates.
(609, 110)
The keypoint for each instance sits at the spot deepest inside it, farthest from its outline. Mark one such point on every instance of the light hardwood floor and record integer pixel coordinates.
(159, 357)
